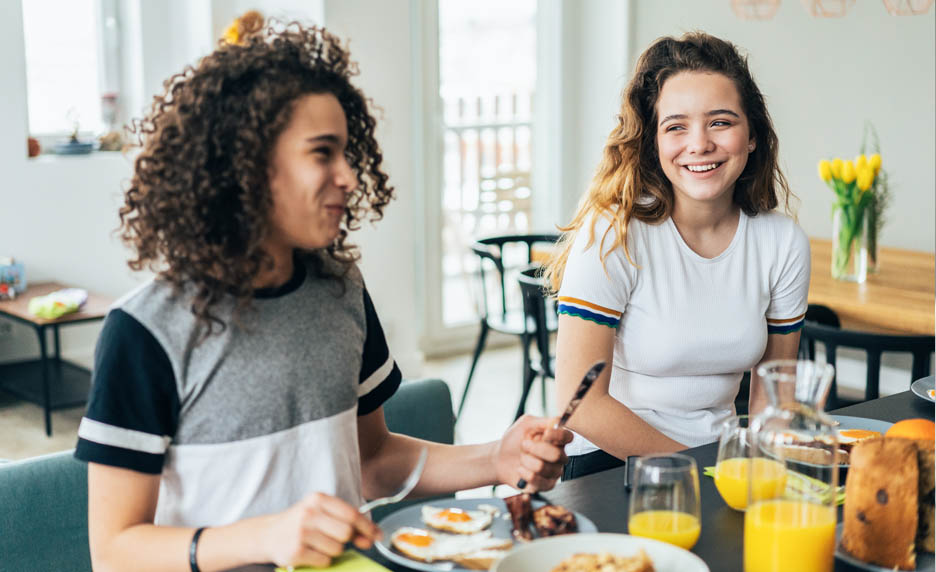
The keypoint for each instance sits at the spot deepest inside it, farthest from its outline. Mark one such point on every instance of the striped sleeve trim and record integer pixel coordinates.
(376, 378)
(104, 434)
(785, 325)
(589, 311)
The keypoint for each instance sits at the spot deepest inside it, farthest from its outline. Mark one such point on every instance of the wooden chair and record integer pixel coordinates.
(494, 311)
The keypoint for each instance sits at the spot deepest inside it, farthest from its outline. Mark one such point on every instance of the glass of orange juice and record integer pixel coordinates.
(735, 470)
(664, 499)
(793, 528)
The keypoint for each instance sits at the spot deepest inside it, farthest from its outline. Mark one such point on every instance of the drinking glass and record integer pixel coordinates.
(734, 465)
(664, 499)
(794, 530)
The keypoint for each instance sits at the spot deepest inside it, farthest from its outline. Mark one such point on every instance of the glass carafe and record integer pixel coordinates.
(794, 529)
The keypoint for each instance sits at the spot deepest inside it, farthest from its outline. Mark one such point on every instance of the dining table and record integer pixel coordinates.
(602, 496)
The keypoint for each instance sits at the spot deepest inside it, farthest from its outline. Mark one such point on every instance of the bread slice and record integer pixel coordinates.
(881, 501)
(926, 522)
(480, 560)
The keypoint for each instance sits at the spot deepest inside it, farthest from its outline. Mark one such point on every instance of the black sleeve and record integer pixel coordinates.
(380, 376)
(133, 409)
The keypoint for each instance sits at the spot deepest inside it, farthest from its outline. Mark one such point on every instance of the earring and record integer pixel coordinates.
(750, 148)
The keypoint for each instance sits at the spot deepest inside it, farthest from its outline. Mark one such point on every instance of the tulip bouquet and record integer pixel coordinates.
(854, 211)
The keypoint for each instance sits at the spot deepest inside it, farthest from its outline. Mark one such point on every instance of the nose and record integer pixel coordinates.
(699, 142)
(344, 175)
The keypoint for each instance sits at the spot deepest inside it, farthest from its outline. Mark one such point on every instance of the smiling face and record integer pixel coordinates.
(703, 138)
(309, 176)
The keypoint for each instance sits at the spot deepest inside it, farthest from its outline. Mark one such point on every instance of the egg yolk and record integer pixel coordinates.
(858, 433)
(454, 515)
(415, 539)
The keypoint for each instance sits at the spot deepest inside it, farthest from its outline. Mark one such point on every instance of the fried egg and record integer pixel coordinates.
(459, 521)
(849, 437)
(427, 546)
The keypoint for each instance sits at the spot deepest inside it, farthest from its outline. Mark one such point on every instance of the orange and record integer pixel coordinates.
(913, 429)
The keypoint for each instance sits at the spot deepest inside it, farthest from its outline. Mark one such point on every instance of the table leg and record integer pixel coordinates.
(44, 364)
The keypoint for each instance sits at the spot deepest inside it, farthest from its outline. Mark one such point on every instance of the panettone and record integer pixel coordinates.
(888, 512)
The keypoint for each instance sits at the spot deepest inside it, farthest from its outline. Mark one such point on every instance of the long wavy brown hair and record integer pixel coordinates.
(197, 208)
(630, 183)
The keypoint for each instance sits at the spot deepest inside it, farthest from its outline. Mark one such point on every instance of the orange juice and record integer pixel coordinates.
(731, 480)
(679, 528)
(782, 535)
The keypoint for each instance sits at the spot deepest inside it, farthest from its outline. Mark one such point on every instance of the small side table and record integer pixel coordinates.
(72, 382)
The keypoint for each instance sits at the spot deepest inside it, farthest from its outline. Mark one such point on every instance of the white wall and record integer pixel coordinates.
(822, 79)
(382, 44)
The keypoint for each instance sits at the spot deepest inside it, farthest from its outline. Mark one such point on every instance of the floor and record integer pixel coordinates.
(488, 412)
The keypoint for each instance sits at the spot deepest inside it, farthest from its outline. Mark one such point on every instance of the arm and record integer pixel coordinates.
(779, 346)
(602, 419)
(122, 504)
(387, 458)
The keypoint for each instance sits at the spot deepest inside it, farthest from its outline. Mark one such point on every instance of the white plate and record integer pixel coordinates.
(924, 560)
(412, 516)
(545, 554)
(848, 422)
(921, 386)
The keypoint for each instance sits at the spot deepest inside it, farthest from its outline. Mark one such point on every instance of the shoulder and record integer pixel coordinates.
(779, 229)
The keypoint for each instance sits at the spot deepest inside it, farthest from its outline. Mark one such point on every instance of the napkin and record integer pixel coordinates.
(350, 561)
(797, 482)
(58, 303)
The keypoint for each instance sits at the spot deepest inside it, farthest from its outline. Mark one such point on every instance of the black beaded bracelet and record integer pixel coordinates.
(193, 549)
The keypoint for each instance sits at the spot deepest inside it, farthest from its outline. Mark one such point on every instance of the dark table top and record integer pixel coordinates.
(602, 498)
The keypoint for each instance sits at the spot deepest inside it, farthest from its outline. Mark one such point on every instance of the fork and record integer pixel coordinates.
(408, 486)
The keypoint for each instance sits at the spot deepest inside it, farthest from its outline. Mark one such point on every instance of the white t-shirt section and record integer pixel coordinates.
(687, 326)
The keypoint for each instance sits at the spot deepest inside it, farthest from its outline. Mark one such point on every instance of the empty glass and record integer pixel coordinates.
(664, 499)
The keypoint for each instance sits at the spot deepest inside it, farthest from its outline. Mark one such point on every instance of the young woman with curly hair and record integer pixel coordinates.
(676, 267)
(236, 409)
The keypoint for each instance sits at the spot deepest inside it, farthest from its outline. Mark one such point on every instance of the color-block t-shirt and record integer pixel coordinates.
(248, 421)
(687, 327)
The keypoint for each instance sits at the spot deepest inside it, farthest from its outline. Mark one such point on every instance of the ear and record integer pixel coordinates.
(751, 146)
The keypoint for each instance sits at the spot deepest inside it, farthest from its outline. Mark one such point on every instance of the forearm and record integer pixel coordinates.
(448, 467)
(611, 425)
(145, 547)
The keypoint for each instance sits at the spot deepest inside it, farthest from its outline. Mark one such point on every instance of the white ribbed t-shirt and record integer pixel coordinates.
(688, 327)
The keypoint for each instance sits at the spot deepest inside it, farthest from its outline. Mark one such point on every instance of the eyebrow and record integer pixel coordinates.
(329, 138)
(708, 114)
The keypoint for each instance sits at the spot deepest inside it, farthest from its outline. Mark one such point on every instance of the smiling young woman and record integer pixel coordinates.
(676, 266)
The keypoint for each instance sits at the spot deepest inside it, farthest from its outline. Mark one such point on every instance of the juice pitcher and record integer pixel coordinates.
(794, 528)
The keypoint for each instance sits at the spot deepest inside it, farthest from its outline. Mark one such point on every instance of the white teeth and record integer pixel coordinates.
(701, 168)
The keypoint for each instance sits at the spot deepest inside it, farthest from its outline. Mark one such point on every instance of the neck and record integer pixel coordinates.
(277, 274)
(705, 217)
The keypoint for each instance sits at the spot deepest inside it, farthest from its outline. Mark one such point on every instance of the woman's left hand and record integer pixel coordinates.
(533, 451)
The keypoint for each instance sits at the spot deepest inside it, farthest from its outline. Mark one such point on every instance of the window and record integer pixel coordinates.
(71, 65)
(487, 79)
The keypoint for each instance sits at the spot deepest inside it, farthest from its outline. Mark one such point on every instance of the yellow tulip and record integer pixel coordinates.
(837, 168)
(875, 162)
(232, 34)
(865, 177)
(860, 162)
(825, 170)
(848, 173)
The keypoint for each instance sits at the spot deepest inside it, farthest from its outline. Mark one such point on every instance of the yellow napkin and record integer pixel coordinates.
(350, 561)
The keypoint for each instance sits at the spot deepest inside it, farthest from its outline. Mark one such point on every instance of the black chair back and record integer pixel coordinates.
(538, 324)
(822, 325)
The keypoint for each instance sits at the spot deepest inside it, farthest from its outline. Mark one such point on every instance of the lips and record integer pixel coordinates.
(700, 168)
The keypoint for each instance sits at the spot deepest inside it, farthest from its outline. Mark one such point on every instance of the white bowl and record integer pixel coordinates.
(545, 554)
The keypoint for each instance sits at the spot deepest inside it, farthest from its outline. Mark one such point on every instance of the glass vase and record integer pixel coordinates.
(874, 261)
(790, 519)
(850, 243)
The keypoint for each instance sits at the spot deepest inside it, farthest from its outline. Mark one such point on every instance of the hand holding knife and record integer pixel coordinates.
(590, 376)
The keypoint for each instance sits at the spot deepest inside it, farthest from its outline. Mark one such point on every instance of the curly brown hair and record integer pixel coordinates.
(197, 209)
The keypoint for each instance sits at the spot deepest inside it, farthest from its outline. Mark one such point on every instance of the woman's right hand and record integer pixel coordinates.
(315, 530)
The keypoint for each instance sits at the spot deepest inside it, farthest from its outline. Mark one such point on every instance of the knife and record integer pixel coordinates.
(590, 376)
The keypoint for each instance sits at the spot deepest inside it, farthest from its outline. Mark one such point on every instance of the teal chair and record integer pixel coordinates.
(44, 500)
